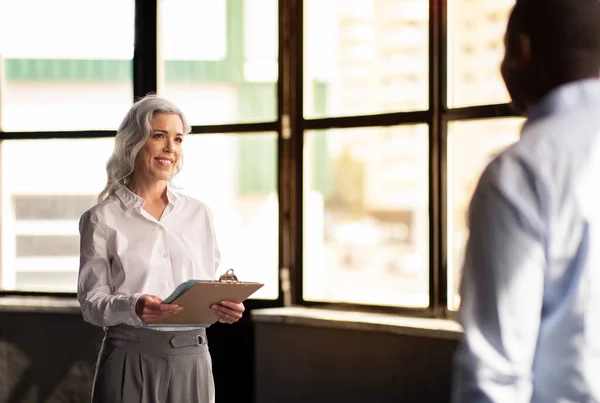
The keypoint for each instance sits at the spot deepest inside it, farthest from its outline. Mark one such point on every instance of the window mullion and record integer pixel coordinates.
(145, 52)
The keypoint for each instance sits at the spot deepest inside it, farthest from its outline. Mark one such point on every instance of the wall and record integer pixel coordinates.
(46, 357)
(49, 358)
(301, 364)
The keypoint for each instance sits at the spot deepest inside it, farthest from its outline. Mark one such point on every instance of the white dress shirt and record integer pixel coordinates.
(125, 252)
(531, 283)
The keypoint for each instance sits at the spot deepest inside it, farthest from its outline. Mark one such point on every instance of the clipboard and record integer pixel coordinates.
(197, 296)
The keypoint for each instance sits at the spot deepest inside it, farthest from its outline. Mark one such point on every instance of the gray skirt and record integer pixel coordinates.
(149, 366)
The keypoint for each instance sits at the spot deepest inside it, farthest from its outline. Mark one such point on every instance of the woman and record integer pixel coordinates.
(138, 243)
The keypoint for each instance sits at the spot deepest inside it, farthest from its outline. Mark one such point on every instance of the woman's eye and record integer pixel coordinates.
(158, 135)
(179, 140)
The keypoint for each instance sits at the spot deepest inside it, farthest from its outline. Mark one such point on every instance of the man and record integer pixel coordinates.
(531, 281)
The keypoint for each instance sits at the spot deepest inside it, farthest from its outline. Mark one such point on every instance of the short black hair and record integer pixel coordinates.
(564, 34)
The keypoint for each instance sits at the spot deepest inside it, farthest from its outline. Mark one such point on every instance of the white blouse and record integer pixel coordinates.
(125, 252)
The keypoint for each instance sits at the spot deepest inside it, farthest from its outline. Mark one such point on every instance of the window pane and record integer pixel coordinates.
(219, 59)
(366, 216)
(65, 70)
(365, 56)
(471, 146)
(235, 175)
(475, 50)
(41, 209)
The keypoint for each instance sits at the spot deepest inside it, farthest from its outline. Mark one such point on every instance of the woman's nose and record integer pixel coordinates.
(169, 146)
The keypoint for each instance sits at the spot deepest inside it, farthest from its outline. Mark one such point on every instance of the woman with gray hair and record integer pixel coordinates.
(137, 244)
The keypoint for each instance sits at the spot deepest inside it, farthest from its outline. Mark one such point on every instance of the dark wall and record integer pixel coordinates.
(301, 364)
(46, 357)
(49, 358)
(232, 351)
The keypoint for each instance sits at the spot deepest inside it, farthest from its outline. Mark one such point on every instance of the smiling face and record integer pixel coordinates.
(157, 160)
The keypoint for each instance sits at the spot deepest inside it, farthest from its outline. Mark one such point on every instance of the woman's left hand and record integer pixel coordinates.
(229, 312)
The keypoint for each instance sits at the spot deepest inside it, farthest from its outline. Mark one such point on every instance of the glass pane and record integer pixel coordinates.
(475, 50)
(471, 146)
(366, 216)
(219, 59)
(65, 70)
(365, 56)
(235, 175)
(41, 209)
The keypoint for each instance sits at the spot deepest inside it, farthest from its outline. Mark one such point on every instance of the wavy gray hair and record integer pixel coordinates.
(131, 136)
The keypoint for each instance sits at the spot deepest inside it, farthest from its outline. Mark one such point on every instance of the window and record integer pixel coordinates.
(65, 71)
(41, 209)
(471, 146)
(475, 51)
(330, 159)
(354, 48)
(236, 175)
(365, 216)
(218, 59)
(65, 78)
(366, 188)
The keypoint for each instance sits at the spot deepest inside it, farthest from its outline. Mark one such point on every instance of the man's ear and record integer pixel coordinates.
(523, 51)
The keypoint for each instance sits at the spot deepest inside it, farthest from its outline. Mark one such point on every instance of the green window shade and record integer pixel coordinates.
(68, 70)
(322, 180)
(258, 164)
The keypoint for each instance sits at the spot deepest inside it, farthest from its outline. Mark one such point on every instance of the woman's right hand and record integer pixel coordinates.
(150, 308)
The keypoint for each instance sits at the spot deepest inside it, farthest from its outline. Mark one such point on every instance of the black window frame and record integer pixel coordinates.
(290, 127)
(437, 118)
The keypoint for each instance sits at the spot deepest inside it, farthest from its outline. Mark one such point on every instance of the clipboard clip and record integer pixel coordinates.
(228, 277)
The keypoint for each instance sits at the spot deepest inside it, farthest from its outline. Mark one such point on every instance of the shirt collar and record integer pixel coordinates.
(566, 98)
(132, 200)
(172, 196)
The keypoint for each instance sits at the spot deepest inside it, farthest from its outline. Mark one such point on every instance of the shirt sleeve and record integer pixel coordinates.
(501, 295)
(99, 306)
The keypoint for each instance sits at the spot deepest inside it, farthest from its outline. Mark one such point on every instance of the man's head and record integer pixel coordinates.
(549, 43)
